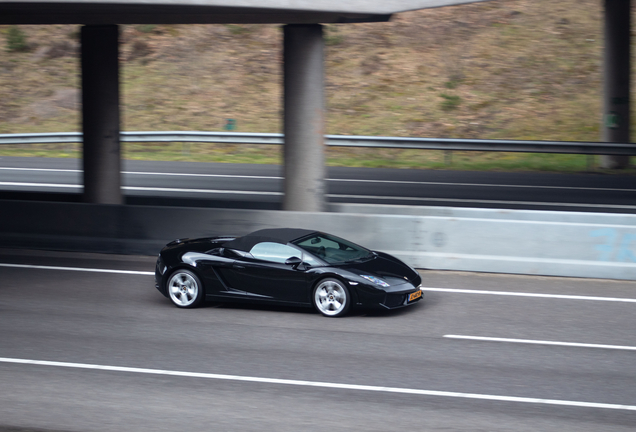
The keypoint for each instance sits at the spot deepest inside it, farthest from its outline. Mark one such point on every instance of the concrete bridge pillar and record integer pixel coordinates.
(616, 74)
(304, 118)
(100, 114)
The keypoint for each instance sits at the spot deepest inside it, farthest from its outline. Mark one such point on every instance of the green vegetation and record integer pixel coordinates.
(452, 84)
(332, 35)
(504, 69)
(146, 28)
(450, 102)
(16, 40)
(238, 29)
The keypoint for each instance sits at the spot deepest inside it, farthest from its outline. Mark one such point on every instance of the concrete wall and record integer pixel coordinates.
(503, 241)
(598, 245)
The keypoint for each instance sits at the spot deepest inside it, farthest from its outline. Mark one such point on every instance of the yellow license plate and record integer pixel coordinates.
(414, 296)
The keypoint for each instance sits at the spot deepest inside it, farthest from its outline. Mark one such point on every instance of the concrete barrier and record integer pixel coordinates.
(597, 245)
(502, 241)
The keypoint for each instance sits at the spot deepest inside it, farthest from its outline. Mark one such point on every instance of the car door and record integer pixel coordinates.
(213, 268)
(267, 277)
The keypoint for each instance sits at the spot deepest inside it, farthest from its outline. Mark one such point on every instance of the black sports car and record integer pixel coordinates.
(284, 266)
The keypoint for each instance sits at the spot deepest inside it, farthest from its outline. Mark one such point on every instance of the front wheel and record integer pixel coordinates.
(185, 289)
(332, 298)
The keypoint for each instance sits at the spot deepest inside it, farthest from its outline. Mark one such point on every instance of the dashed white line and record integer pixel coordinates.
(41, 169)
(478, 201)
(542, 342)
(526, 294)
(210, 191)
(250, 177)
(152, 173)
(402, 182)
(449, 290)
(318, 384)
(77, 269)
(141, 188)
(48, 185)
(521, 186)
(339, 196)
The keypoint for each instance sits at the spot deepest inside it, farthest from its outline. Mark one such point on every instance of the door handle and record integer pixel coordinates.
(239, 267)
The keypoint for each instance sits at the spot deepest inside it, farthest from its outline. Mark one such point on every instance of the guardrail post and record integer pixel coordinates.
(100, 114)
(616, 113)
(304, 156)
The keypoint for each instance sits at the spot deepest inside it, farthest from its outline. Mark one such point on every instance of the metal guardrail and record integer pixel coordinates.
(572, 147)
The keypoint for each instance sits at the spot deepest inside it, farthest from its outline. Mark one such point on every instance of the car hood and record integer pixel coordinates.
(386, 267)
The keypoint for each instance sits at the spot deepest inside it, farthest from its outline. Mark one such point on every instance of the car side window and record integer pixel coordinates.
(274, 252)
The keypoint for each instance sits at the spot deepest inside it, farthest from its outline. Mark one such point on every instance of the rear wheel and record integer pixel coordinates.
(332, 298)
(185, 289)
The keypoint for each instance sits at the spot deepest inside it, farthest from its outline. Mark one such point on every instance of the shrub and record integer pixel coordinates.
(146, 28)
(332, 35)
(450, 102)
(16, 40)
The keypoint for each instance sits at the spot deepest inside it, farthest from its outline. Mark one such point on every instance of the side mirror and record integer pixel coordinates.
(294, 262)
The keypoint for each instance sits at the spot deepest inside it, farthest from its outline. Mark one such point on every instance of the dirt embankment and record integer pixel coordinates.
(525, 69)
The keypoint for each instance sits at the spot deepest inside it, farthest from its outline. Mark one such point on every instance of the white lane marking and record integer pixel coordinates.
(520, 259)
(386, 198)
(232, 176)
(209, 191)
(434, 183)
(153, 173)
(449, 290)
(49, 185)
(476, 201)
(542, 342)
(301, 383)
(41, 169)
(78, 269)
(526, 294)
(141, 188)
(398, 182)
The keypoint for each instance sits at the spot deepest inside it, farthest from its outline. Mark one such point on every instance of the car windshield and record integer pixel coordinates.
(332, 249)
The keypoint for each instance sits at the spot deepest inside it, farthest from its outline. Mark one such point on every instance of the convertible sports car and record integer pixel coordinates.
(284, 266)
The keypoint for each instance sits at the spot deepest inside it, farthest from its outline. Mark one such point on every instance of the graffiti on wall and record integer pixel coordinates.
(616, 246)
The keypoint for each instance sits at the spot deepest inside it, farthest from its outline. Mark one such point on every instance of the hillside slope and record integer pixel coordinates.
(518, 69)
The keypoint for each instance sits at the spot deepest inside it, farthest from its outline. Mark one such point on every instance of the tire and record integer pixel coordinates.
(331, 298)
(185, 289)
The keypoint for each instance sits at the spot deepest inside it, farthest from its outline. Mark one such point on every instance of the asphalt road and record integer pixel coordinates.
(105, 351)
(261, 186)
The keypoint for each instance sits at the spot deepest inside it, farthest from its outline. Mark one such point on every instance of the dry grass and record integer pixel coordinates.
(514, 69)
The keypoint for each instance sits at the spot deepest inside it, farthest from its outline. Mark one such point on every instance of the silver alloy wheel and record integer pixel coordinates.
(331, 298)
(183, 288)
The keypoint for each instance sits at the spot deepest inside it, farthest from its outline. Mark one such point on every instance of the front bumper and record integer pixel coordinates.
(160, 270)
(402, 299)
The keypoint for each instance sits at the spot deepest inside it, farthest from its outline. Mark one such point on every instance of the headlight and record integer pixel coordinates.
(376, 280)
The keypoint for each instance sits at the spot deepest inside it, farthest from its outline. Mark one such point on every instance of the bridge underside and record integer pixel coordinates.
(208, 11)
(95, 14)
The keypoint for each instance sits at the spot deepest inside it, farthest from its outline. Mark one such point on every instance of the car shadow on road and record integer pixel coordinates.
(355, 312)
(358, 311)
(380, 312)
(259, 307)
